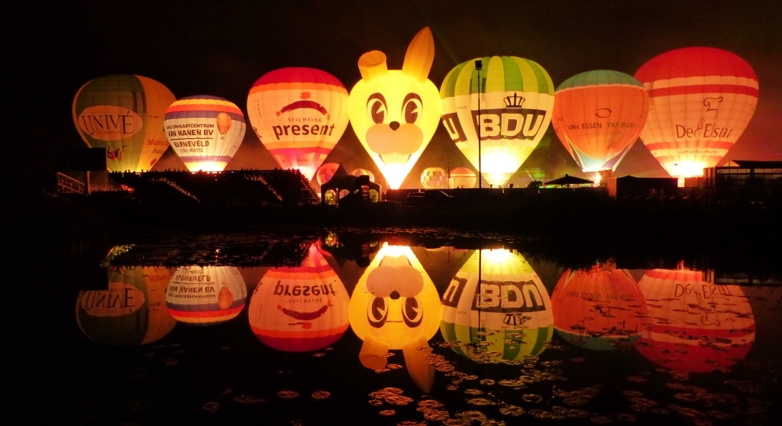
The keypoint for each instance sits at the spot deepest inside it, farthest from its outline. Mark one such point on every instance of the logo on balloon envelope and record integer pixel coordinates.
(511, 122)
(104, 122)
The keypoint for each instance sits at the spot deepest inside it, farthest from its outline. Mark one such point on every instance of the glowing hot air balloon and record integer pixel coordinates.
(598, 115)
(206, 295)
(131, 311)
(515, 97)
(124, 114)
(497, 308)
(395, 305)
(302, 308)
(462, 177)
(434, 178)
(694, 325)
(395, 301)
(600, 308)
(205, 131)
(362, 172)
(299, 114)
(396, 112)
(326, 172)
(701, 100)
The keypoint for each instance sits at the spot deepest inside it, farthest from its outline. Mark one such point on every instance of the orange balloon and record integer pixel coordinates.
(598, 115)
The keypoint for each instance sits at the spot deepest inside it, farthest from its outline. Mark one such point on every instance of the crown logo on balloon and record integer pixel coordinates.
(514, 101)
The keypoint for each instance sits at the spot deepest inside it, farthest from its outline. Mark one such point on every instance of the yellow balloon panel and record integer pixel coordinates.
(395, 113)
(395, 301)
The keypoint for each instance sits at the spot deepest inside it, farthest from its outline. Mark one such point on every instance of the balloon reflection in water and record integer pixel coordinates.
(206, 295)
(131, 311)
(694, 325)
(302, 308)
(600, 308)
(496, 308)
(395, 305)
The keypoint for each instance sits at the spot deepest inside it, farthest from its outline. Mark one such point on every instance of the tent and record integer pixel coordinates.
(568, 180)
(348, 189)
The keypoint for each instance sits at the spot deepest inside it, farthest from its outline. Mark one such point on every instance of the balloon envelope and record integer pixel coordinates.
(395, 301)
(434, 178)
(515, 97)
(694, 325)
(598, 115)
(131, 311)
(124, 114)
(299, 114)
(395, 113)
(205, 131)
(601, 308)
(496, 308)
(302, 308)
(206, 295)
(701, 100)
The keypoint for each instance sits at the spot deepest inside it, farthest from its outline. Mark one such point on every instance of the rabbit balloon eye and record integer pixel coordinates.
(412, 106)
(412, 312)
(376, 107)
(377, 312)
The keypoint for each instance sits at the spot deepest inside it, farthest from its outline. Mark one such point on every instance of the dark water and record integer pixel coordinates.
(358, 328)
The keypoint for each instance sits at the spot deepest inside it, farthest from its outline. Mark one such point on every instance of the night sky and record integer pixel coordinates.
(222, 48)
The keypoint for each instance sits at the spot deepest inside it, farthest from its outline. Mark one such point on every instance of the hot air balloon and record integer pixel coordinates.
(701, 100)
(515, 97)
(600, 308)
(462, 177)
(694, 325)
(497, 309)
(326, 172)
(299, 114)
(598, 115)
(300, 308)
(124, 114)
(205, 131)
(396, 112)
(434, 178)
(395, 301)
(362, 172)
(395, 305)
(206, 295)
(131, 311)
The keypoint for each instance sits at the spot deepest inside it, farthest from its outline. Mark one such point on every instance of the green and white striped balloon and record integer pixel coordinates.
(515, 97)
